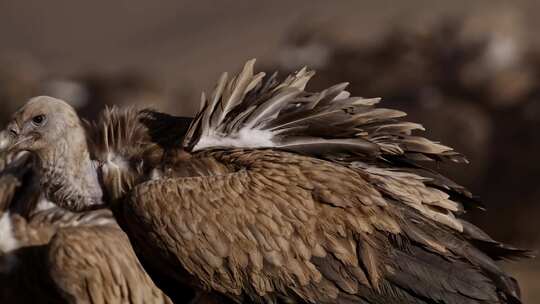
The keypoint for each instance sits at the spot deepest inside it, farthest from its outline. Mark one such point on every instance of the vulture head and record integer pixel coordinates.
(70, 155)
(43, 124)
(50, 129)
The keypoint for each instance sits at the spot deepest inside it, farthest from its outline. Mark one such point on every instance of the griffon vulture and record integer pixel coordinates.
(275, 195)
(50, 255)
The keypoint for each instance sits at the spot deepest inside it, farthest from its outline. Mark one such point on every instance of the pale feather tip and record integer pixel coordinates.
(4, 140)
(7, 239)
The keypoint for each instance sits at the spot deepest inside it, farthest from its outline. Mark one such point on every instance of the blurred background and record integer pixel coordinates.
(468, 70)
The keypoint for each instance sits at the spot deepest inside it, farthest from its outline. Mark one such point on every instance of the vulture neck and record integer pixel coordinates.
(68, 175)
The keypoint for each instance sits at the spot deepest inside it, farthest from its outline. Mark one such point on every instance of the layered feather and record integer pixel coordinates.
(268, 225)
(57, 256)
(378, 143)
(254, 111)
(122, 146)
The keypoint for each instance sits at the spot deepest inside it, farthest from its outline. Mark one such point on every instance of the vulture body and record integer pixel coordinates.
(51, 255)
(275, 195)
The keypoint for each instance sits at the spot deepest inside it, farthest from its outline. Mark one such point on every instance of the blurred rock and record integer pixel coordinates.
(20, 77)
(97, 90)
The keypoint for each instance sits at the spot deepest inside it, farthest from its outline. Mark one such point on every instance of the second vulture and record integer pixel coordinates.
(272, 194)
(51, 255)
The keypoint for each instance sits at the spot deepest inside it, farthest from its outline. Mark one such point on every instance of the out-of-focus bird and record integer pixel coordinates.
(274, 195)
(51, 255)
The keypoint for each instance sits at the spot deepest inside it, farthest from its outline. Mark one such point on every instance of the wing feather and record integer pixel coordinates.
(281, 225)
(97, 265)
(63, 257)
(249, 111)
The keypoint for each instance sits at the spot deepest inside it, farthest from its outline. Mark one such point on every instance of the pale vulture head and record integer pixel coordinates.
(41, 124)
(50, 129)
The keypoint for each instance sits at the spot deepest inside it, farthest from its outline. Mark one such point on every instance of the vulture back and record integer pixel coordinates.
(251, 112)
(275, 194)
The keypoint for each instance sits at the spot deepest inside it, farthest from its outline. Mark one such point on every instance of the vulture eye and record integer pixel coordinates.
(38, 120)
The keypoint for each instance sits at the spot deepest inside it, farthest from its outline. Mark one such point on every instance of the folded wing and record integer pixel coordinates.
(282, 226)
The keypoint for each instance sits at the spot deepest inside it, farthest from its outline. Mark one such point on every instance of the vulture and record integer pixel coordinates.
(51, 255)
(273, 194)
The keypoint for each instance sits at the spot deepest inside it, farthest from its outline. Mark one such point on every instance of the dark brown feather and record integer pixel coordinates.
(284, 226)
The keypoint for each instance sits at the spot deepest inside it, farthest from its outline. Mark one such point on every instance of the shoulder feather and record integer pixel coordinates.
(122, 147)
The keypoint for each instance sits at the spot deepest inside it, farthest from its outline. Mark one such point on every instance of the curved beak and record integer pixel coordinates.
(10, 156)
(11, 140)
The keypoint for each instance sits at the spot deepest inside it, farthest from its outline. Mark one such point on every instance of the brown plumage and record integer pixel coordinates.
(276, 195)
(55, 256)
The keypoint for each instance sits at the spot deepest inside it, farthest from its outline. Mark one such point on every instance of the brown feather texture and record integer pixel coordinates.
(277, 195)
(122, 145)
(271, 114)
(51, 255)
(277, 227)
